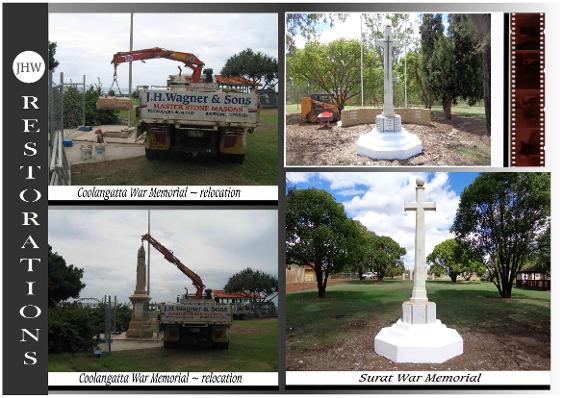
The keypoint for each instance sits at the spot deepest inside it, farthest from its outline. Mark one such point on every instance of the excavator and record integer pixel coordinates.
(192, 321)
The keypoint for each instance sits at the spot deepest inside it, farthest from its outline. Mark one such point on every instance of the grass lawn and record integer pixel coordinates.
(473, 304)
(253, 348)
(459, 109)
(259, 167)
(353, 310)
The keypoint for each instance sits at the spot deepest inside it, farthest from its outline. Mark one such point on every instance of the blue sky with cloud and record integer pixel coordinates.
(376, 199)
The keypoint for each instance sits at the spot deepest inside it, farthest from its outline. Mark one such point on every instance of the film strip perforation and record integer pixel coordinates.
(527, 89)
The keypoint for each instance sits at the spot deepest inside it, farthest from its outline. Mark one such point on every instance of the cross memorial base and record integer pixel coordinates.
(388, 141)
(418, 343)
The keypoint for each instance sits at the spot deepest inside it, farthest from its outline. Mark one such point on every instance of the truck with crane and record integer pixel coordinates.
(193, 320)
(191, 114)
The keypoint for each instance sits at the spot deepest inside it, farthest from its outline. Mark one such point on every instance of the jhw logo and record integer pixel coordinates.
(28, 67)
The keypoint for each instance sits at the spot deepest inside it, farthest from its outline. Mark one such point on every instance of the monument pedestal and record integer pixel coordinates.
(388, 140)
(140, 325)
(399, 145)
(418, 337)
(418, 343)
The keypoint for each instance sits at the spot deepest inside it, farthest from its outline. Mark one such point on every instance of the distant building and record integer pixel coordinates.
(222, 297)
(234, 83)
(268, 98)
(299, 273)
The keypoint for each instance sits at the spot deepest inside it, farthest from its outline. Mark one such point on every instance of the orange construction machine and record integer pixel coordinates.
(315, 104)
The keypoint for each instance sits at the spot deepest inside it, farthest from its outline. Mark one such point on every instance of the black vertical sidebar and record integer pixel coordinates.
(25, 177)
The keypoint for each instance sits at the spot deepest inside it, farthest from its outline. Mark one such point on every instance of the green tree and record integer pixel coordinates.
(357, 247)
(53, 63)
(95, 117)
(316, 227)
(482, 24)
(454, 69)
(384, 255)
(63, 281)
(414, 85)
(71, 328)
(454, 258)
(254, 66)
(333, 67)
(503, 216)
(431, 29)
(436, 270)
(256, 283)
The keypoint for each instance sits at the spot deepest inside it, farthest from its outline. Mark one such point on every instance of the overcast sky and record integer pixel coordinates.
(377, 201)
(350, 28)
(87, 42)
(213, 243)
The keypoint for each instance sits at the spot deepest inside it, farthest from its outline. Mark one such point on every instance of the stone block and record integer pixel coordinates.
(419, 313)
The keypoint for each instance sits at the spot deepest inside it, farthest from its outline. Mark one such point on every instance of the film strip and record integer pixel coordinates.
(527, 90)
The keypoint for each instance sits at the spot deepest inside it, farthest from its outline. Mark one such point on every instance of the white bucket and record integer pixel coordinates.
(100, 151)
(85, 152)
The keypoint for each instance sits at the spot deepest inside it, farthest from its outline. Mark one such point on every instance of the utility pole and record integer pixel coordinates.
(149, 258)
(130, 70)
(405, 39)
(362, 58)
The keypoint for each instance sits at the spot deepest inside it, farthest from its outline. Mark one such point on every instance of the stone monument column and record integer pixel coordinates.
(389, 139)
(419, 337)
(140, 324)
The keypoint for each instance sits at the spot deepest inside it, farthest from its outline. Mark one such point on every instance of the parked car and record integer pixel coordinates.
(369, 275)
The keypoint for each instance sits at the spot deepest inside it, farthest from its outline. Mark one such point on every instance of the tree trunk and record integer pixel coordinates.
(453, 277)
(325, 280)
(380, 277)
(487, 85)
(447, 106)
(320, 286)
(360, 273)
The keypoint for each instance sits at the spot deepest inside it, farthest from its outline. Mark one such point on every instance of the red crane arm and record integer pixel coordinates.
(196, 280)
(190, 60)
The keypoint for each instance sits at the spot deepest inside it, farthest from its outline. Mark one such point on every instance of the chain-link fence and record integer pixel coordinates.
(66, 111)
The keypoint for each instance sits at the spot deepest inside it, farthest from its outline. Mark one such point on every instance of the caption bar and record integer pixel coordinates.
(193, 379)
(382, 379)
(195, 192)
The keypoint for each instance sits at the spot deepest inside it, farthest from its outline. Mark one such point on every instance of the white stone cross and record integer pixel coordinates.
(388, 43)
(420, 206)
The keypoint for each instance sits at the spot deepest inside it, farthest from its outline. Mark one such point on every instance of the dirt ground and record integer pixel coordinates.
(456, 142)
(482, 351)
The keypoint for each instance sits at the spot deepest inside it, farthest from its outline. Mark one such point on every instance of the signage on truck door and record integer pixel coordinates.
(199, 106)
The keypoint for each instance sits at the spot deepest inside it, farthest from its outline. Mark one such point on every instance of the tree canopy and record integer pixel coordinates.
(64, 281)
(332, 67)
(53, 63)
(256, 283)
(254, 66)
(454, 69)
(316, 227)
(504, 217)
(454, 258)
